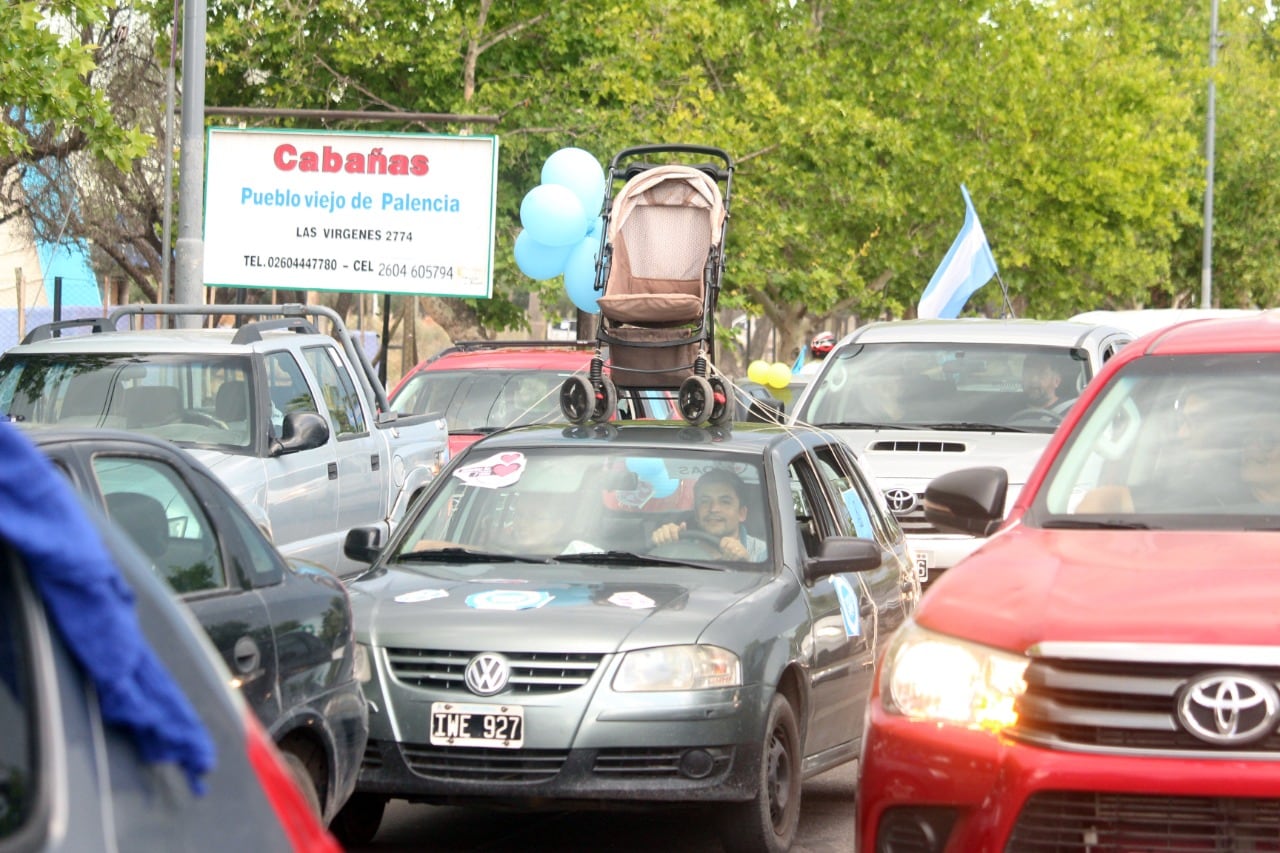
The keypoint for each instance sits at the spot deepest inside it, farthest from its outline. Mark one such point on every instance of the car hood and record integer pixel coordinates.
(1029, 585)
(588, 608)
(911, 458)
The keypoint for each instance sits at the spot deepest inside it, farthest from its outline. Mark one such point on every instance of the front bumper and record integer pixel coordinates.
(582, 744)
(925, 787)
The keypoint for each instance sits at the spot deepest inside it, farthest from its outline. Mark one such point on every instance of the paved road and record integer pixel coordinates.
(826, 826)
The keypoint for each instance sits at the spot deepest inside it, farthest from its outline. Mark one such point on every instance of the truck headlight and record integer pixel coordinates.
(678, 668)
(934, 677)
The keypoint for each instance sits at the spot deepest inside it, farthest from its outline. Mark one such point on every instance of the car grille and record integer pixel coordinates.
(524, 766)
(913, 521)
(531, 673)
(1075, 822)
(655, 763)
(1125, 707)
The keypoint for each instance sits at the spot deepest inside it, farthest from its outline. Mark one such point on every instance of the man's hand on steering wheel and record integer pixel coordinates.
(728, 547)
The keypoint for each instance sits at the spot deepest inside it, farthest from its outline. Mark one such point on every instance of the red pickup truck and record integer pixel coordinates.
(1102, 674)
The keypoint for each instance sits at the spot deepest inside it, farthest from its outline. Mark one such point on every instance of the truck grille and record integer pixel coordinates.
(913, 521)
(531, 673)
(1123, 707)
(1077, 821)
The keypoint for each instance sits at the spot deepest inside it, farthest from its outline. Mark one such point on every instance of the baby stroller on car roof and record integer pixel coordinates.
(661, 261)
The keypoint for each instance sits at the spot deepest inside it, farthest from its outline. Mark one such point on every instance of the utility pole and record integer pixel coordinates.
(1206, 267)
(189, 285)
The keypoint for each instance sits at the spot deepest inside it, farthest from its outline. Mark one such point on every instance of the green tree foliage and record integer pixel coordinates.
(52, 105)
(1077, 126)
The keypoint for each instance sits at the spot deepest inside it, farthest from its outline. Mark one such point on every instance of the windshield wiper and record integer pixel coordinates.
(631, 559)
(465, 555)
(1094, 524)
(975, 426)
(862, 425)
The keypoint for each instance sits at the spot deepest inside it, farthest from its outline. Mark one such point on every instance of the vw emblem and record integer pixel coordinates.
(1229, 708)
(487, 674)
(901, 501)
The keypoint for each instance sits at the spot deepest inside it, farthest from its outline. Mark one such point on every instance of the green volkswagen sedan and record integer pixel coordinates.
(637, 613)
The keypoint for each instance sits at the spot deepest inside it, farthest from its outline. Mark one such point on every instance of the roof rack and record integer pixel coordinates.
(295, 315)
(45, 331)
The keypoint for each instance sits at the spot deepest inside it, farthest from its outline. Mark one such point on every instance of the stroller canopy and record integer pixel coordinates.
(664, 227)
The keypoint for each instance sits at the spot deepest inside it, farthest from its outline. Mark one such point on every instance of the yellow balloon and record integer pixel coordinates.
(779, 375)
(758, 372)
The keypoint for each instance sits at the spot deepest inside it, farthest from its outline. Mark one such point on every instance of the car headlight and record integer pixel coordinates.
(362, 664)
(678, 668)
(930, 676)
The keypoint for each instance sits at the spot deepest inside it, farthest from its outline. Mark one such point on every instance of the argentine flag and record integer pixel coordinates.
(967, 266)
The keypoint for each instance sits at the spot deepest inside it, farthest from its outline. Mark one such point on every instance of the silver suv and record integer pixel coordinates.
(919, 398)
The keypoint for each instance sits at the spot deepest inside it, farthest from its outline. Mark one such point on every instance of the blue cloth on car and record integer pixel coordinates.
(93, 608)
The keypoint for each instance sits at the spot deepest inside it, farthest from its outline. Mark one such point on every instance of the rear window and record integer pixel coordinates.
(484, 400)
(189, 400)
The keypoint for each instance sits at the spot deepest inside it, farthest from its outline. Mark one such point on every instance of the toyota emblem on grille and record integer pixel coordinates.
(487, 674)
(1229, 708)
(901, 501)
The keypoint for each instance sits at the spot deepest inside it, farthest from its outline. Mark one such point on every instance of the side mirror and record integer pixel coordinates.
(301, 431)
(967, 501)
(843, 554)
(362, 544)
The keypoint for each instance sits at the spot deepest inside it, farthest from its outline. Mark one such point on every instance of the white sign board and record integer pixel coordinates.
(382, 213)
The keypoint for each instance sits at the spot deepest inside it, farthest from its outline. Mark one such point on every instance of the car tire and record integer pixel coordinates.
(305, 781)
(358, 820)
(768, 823)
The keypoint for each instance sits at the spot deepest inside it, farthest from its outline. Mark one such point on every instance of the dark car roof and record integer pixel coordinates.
(746, 438)
(52, 434)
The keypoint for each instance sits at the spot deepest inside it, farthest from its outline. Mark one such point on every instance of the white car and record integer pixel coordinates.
(919, 398)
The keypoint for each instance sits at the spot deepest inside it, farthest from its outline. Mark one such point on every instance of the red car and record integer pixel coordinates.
(485, 386)
(1102, 674)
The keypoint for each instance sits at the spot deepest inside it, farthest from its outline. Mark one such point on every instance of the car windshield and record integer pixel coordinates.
(1174, 442)
(545, 503)
(199, 400)
(484, 400)
(929, 385)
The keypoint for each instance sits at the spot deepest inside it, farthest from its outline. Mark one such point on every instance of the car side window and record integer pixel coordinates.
(20, 780)
(287, 388)
(265, 565)
(339, 394)
(803, 493)
(159, 512)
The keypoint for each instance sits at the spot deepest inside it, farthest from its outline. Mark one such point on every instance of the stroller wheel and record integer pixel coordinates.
(696, 399)
(577, 399)
(721, 406)
(605, 400)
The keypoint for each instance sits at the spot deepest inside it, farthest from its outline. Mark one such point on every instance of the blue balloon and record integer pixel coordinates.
(553, 215)
(580, 275)
(647, 467)
(539, 261)
(579, 171)
(665, 487)
(596, 228)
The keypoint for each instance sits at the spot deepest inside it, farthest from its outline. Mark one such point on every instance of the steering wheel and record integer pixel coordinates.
(692, 543)
(1035, 416)
(201, 419)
